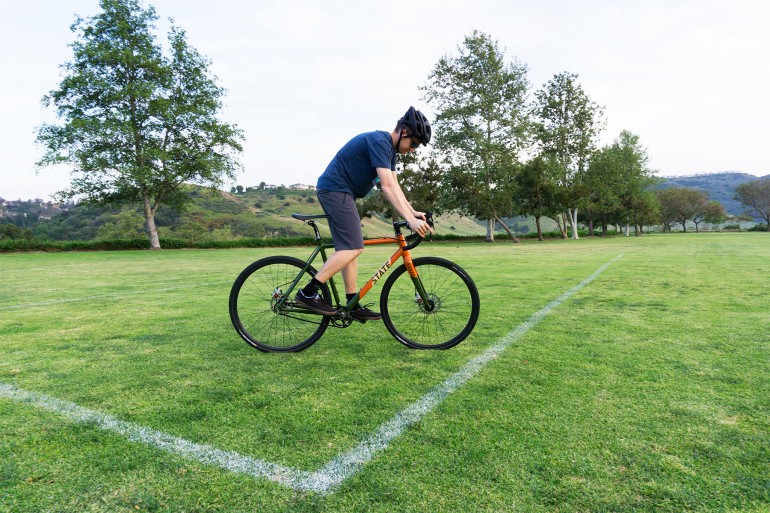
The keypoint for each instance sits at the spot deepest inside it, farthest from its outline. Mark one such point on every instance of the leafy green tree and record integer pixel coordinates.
(536, 190)
(681, 204)
(13, 232)
(756, 195)
(127, 224)
(568, 127)
(137, 123)
(482, 124)
(714, 213)
(619, 184)
(667, 201)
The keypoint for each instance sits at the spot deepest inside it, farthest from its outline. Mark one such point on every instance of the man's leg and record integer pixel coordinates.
(345, 261)
(350, 277)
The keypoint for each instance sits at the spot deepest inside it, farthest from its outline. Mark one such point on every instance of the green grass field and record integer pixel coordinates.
(647, 390)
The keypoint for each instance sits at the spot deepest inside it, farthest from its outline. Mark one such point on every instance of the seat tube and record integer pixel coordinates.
(330, 281)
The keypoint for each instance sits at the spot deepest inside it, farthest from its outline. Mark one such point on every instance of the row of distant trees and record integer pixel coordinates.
(139, 120)
(502, 150)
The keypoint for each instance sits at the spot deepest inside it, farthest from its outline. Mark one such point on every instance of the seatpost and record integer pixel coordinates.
(315, 229)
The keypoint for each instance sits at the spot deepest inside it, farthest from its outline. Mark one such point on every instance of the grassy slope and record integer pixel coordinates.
(275, 211)
(647, 391)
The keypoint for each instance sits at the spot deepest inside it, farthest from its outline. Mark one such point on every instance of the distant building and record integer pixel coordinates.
(302, 187)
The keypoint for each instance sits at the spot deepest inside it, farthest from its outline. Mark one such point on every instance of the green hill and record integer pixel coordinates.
(212, 215)
(273, 207)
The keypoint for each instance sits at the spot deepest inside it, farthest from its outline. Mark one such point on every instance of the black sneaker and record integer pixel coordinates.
(363, 314)
(315, 303)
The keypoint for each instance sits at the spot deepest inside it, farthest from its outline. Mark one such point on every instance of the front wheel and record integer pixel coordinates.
(448, 316)
(262, 307)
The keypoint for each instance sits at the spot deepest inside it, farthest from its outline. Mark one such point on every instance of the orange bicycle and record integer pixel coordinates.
(427, 303)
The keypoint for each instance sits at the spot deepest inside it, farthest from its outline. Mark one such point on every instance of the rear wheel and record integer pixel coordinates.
(262, 314)
(448, 316)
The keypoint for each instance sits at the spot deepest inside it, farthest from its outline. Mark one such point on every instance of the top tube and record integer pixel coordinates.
(414, 237)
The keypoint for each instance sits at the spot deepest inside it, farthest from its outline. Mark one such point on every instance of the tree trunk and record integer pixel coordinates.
(507, 230)
(563, 226)
(490, 230)
(561, 222)
(149, 217)
(572, 214)
(628, 229)
(539, 230)
(591, 227)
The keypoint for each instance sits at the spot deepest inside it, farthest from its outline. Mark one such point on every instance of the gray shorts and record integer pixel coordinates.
(345, 223)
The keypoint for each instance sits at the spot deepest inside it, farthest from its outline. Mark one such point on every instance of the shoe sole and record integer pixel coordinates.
(314, 309)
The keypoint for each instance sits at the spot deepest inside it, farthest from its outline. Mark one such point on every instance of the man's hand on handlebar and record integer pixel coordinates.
(421, 224)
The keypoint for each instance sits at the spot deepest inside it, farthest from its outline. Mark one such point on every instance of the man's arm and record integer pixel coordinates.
(395, 195)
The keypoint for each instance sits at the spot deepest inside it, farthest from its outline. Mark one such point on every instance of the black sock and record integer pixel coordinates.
(311, 289)
(350, 296)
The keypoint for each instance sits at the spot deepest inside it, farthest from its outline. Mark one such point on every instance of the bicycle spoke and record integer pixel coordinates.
(264, 315)
(455, 305)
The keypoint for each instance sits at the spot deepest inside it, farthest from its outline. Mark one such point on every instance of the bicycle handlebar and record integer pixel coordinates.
(415, 236)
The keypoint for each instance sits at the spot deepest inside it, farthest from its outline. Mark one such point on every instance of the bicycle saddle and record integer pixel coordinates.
(308, 217)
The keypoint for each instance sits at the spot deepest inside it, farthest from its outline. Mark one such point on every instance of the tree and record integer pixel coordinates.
(756, 194)
(137, 124)
(568, 127)
(124, 225)
(536, 190)
(714, 213)
(680, 204)
(619, 182)
(481, 124)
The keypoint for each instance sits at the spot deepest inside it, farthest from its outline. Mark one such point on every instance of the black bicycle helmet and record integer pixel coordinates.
(417, 123)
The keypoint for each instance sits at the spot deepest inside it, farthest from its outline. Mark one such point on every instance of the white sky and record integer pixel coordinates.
(303, 76)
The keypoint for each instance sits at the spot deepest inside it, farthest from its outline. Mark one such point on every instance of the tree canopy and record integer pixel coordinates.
(137, 122)
(756, 195)
(482, 125)
(568, 126)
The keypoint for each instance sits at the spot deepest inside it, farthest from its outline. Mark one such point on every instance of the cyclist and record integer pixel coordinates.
(366, 159)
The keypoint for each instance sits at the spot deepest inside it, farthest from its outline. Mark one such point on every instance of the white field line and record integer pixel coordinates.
(106, 296)
(206, 454)
(340, 468)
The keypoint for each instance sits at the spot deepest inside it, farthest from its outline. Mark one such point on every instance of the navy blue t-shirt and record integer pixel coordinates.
(354, 168)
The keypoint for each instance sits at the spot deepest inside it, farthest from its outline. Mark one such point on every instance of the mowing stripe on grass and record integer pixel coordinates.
(339, 468)
(206, 454)
(106, 296)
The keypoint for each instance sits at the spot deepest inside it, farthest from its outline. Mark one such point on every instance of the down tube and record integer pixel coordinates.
(379, 274)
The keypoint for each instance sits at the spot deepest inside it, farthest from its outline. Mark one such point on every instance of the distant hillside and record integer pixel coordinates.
(719, 186)
(219, 215)
(212, 215)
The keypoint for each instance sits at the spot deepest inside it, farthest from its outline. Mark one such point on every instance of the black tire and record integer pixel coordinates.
(445, 323)
(253, 312)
